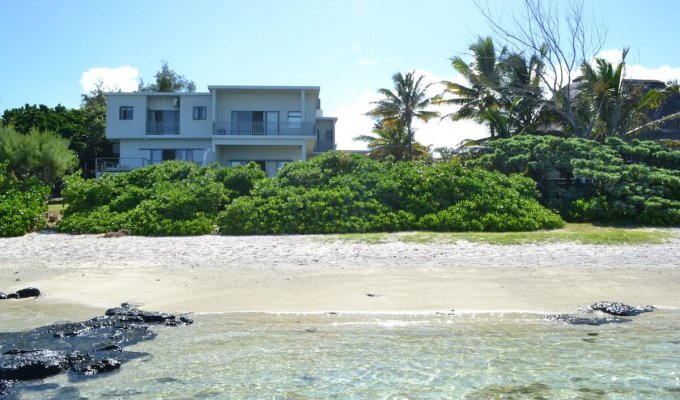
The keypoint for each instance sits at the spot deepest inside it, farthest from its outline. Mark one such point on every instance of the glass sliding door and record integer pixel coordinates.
(254, 122)
(272, 122)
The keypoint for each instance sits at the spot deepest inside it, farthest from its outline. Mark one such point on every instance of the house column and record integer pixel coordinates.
(302, 105)
(214, 105)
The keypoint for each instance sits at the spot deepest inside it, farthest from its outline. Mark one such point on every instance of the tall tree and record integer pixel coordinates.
(393, 141)
(610, 103)
(408, 102)
(503, 89)
(561, 34)
(481, 99)
(167, 80)
(84, 127)
(40, 154)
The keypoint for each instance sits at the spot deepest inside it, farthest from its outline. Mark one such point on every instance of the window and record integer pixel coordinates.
(157, 156)
(294, 119)
(200, 112)
(329, 135)
(254, 122)
(125, 112)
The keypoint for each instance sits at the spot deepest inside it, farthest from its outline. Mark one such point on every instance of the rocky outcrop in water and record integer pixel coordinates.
(21, 294)
(81, 349)
(572, 320)
(612, 308)
(619, 309)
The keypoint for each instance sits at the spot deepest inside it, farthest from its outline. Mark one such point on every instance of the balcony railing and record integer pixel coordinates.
(263, 128)
(112, 165)
(162, 128)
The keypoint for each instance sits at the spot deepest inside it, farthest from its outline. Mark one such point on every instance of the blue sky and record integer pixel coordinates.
(50, 50)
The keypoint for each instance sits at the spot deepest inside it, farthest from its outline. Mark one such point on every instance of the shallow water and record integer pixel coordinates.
(390, 356)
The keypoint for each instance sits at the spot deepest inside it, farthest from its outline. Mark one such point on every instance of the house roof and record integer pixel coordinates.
(250, 87)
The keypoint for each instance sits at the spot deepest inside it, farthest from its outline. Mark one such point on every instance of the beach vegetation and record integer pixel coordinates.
(571, 233)
(408, 102)
(392, 141)
(341, 193)
(43, 155)
(634, 182)
(83, 127)
(172, 198)
(22, 203)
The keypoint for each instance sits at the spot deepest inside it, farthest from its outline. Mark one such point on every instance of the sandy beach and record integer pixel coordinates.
(215, 273)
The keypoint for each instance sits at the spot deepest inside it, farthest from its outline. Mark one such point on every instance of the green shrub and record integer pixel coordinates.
(340, 193)
(172, 198)
(22, 204)
(586, 181)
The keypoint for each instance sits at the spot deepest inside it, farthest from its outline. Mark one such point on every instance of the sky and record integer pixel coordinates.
(51, 52)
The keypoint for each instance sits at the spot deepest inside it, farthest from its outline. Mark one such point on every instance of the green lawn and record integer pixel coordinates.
(579, 233)
(55, 207)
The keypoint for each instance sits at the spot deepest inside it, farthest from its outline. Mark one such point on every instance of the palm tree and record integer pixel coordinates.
(611, 104)
(407, 103)
(393, 140)
(480, 101)
(503, 91)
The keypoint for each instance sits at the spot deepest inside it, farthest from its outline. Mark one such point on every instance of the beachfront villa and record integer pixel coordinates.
(230, 125)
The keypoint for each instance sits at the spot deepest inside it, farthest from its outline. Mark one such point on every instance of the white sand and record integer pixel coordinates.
(311, 274)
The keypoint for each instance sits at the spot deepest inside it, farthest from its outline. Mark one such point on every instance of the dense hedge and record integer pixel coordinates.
(339, 192)
(22, 204)
(615, 182)
(172, 198)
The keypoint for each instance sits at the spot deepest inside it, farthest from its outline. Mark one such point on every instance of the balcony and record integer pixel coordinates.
(112, 165)
(162, 128)
(264, 128)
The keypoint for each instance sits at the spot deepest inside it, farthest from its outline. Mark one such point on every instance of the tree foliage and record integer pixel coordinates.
(393, 141)
(408, 102)
(167, 80)
(37, 154)
(22, 203)
(83, 127)
(611, 182)
(503, 90)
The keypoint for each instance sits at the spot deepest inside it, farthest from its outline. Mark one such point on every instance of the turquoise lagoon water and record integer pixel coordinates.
(363, 356)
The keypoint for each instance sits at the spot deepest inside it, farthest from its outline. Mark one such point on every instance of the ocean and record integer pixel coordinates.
(386, 356)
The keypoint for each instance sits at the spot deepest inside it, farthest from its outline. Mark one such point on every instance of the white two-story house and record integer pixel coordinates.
(230, 125)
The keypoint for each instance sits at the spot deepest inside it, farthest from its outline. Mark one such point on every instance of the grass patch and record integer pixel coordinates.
(576, 233)
(55, 210)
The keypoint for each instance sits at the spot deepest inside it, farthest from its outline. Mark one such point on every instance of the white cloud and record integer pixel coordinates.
(123, 78)
(663, 73)
(368, 62)
(352, 121)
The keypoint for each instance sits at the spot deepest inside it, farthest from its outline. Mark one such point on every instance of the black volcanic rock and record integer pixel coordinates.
(619, 309)
(21, 294)
(28, 292)
(31, 364)
(85, 348)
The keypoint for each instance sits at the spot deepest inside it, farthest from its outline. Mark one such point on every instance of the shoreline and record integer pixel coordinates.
(306, 275)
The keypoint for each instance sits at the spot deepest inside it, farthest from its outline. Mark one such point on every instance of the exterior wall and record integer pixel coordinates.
(228, 101)
(323, 125)
(195, 128)
(117, 128)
